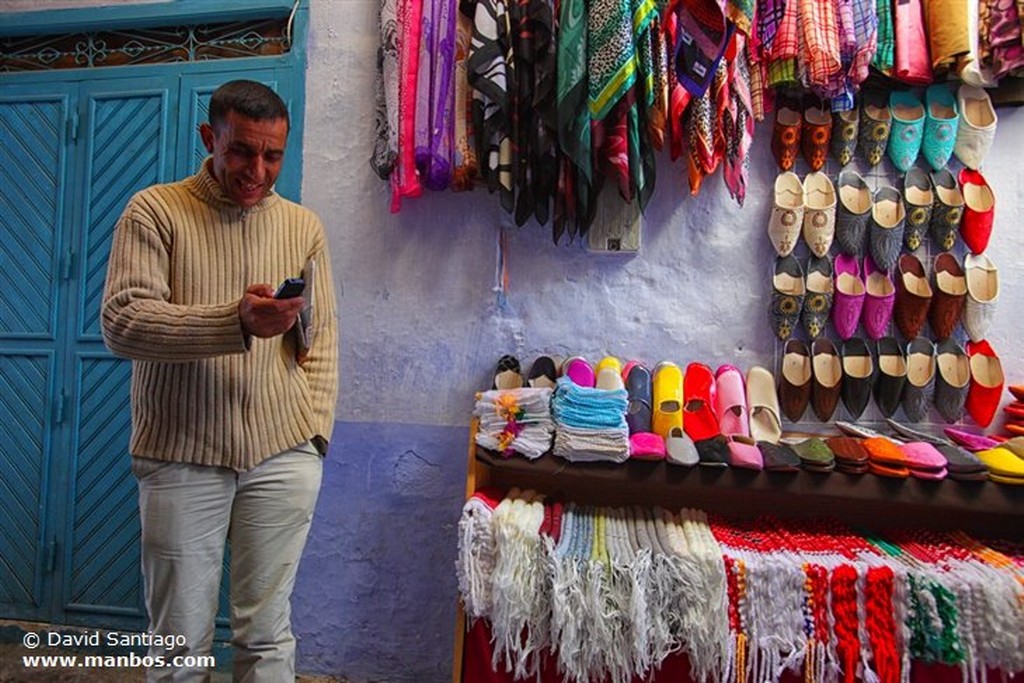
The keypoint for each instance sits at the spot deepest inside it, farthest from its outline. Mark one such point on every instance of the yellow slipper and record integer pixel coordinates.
(1002, 462)
(609, 373)
(668, 399)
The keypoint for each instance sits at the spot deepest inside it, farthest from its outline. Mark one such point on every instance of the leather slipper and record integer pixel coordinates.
(646, 446)
(929, 475)
(888, 471)
(1017, 390)
(969, 440)
(699, 420)
(543, 373)
(608, 375)
(923, 456)
(778, 457)
(1002, 461)
(680, 449)
(763, 404)
(668, 399)
(508, 374)
(713, 452)
(640, 393)
(579, 371)
(885, 452)
(743, 452)
(731, 402)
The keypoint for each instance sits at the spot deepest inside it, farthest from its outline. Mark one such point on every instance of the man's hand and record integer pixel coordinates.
(264, 316)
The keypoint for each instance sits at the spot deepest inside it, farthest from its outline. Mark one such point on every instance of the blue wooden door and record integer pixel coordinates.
(33, 174)
(124, 143)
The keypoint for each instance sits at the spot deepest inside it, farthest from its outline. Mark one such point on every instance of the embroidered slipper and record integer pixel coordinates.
(668, 399)
(699, 421)
(819, 212)
(816, 132)
(826, 384)
(763, 405)
(917, 393)
(942, 119)
(979, 210)
(858, 376)
(885, 233)
(875, 126)
(844, 135)
(907, 128)
(853, 212)
(785, 142)
(950, 295)
(787, 217)
(982, 294)
(731, 402)
(508, 374)
(952, 379)
(795, 379)
(788, 290)
(947, 211)
(640, 393)
(918, 198)
(818, 295)
(879, 299)
(848, 297)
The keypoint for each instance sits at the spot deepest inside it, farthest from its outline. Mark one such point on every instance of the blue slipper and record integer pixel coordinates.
(940, 125)
(907, 128)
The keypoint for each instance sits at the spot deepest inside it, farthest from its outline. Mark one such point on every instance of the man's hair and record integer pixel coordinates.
(250, 99)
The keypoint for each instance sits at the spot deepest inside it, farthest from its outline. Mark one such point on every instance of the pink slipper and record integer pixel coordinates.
(848, 299)
(969, 440)
(646, 446)
(879, 299)
(731, 402)
(923, 456)
(579, 371)
(743, 452)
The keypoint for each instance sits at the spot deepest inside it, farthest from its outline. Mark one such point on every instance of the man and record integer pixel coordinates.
(228, 427)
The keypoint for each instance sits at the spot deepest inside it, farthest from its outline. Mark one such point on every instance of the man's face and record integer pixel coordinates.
(247, 155)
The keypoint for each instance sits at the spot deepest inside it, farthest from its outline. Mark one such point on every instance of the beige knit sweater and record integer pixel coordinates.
(202, 392)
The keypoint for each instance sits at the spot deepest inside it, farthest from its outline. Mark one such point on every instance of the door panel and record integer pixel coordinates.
(25, 410)
(126, 136)
(32, 169)
(104, 551)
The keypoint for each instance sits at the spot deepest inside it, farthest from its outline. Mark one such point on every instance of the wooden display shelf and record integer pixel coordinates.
(983, 509)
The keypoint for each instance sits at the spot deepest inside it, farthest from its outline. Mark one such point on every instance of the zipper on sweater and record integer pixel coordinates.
(247, 280)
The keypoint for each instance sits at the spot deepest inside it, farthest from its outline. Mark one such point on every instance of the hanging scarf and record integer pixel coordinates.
(739, 124)
(912, 64)
(820, 51)
(489, 67)
(611, 54)
(385, 150)
(700, 126)
(785, 47)
(434, 94)
(405, 180)
(466, 167)
(573, 117)
(885, 46)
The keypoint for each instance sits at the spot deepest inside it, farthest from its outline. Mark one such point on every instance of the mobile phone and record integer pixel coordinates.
(290, 288)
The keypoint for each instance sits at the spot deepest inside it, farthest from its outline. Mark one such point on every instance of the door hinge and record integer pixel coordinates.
(72, 126)
(58, 415)
(67, 263)
(51, 555)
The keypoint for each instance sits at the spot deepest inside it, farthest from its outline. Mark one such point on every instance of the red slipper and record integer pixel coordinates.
(986, 386)
(1018, 391)
(699, 421)
(979, 209)
(1015, 430)
(1015, 409)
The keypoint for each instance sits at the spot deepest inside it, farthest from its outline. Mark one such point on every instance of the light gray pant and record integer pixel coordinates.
(187, 513)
